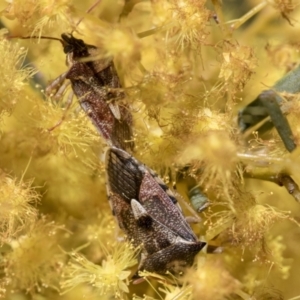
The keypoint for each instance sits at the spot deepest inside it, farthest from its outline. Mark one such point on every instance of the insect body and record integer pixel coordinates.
(148, 213)
(98, 89)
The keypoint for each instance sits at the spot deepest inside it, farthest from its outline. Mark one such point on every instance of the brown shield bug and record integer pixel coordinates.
(97, 86)
(148, 213)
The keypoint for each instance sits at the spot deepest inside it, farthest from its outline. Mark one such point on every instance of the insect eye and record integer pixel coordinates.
(68, 49)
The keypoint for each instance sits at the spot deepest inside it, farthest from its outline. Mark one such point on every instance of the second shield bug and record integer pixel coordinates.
(147, 211)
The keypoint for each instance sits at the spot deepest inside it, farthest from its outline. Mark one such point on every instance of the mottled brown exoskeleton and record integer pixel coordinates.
(97, 86)
(147, 211)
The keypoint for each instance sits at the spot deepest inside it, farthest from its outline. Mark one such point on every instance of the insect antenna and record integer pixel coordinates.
(36, 37)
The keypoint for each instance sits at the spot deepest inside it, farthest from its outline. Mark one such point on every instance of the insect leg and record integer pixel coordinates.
(56, 83)
(61, 90)
(68, 105)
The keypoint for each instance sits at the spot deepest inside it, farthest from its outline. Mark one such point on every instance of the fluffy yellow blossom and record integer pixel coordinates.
(109, 42)
(238, 64)
(62, 130)
(185, 21)
(17, 200)
(13, 74)
(38, 16)
(212, 280)
(253, 223)
(111, 277)
(35, 259)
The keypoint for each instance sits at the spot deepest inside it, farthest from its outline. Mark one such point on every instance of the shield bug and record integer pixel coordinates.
(147, 211)
(97, 86)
